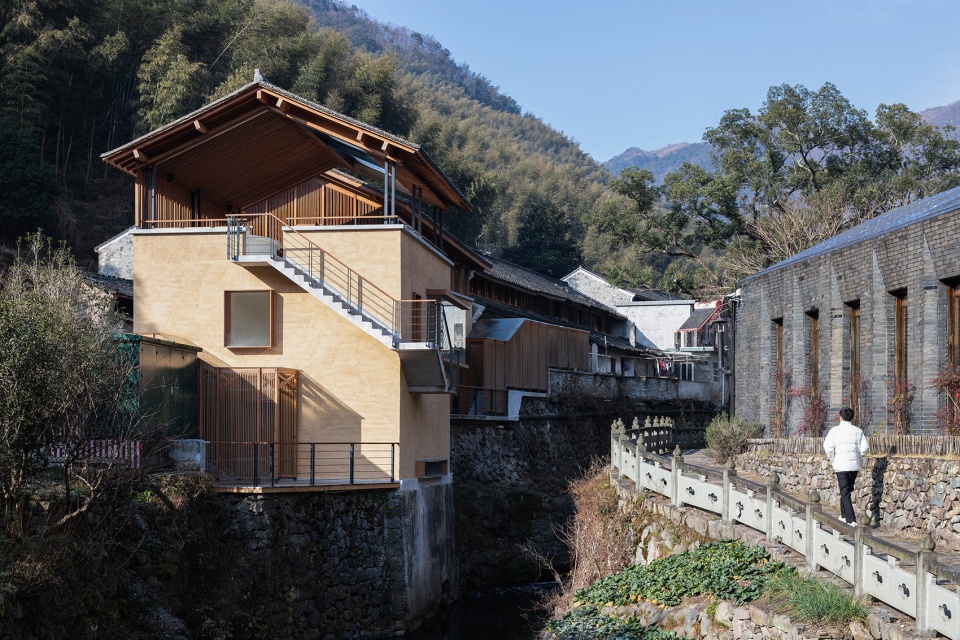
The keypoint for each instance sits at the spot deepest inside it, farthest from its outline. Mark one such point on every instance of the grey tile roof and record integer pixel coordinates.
(898, 218)
(538, 283)
(111, 284)
(652, 295)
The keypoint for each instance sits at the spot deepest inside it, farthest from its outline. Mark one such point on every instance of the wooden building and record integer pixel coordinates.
(304, 252)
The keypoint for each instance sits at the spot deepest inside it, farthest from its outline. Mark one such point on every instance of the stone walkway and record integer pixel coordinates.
(699, 458)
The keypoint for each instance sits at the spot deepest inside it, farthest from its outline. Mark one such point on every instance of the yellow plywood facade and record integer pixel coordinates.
(351, 386)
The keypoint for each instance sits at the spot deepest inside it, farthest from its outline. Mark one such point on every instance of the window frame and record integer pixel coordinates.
(227, 319)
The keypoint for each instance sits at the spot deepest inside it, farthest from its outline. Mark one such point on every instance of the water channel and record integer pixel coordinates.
(493, 614)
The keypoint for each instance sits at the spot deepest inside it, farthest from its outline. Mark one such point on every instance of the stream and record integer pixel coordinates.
(493, 614)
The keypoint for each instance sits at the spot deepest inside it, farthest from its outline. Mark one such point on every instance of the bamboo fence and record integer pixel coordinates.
(879, 444)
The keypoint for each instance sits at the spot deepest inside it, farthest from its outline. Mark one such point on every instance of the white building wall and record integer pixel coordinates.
(656, 322)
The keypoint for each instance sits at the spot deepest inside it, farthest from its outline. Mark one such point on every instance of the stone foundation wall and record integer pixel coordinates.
(910, 495)
(359, 564)
(510, 480)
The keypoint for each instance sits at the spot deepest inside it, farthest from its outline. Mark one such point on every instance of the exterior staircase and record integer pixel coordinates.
(414, 328)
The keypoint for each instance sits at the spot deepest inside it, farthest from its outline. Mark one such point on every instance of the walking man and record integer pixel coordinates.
(845, 444)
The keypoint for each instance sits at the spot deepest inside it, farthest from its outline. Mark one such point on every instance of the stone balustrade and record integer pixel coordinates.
(912, 582)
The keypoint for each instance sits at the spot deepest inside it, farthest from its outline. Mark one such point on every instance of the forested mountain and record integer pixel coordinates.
(78, 77)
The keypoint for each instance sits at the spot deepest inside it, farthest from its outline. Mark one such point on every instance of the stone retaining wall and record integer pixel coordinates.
(909, 495)
(348, 564)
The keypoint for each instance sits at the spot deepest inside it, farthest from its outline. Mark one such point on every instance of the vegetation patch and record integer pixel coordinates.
(589, 622)
(812, 599)
(725, 570)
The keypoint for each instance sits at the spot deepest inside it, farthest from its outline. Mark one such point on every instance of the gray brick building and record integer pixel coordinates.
(852, 320)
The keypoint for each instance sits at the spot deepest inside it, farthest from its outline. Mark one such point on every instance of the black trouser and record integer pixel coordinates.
(846, 479)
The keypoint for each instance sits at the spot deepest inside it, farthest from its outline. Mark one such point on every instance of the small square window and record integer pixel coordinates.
(248, 319)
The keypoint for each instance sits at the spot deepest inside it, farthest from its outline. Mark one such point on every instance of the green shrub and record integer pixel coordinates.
(588, 622)
(728, 437)
(817, 600)
(726, 570)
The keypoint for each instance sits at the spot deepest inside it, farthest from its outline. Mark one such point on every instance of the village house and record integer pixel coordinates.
(683, 333)
(867, 319)
(303, 254)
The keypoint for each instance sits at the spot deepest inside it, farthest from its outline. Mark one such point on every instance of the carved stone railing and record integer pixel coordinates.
(915, 583)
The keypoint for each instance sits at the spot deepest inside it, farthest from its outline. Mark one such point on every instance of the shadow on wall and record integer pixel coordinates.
(323, 417)
(878, 472)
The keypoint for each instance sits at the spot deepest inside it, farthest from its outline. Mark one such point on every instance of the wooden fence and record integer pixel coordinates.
(879, 444)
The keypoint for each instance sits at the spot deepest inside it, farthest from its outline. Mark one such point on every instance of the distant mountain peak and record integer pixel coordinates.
(663, 160)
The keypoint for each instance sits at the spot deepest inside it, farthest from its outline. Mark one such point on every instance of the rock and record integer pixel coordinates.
(873, 622)
(741, 613)
(759, 617)
(780, 622)
(860, 631)
(724, 613)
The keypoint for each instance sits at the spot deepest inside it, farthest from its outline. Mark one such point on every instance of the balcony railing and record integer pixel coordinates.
(417, 321)
(303, 464)
(479, 401)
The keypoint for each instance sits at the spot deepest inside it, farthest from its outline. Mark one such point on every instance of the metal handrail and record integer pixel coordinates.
(256, 464)
(406, 320)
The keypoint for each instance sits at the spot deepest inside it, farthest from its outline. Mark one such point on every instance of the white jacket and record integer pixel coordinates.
(844, 445)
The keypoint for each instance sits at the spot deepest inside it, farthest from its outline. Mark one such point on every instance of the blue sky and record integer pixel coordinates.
(618, 74)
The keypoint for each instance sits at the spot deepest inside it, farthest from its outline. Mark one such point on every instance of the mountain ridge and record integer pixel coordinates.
(669, 157)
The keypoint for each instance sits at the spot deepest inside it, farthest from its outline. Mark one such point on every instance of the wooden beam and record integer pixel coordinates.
(141, 156)
(284, 105)
(199, 126)
(383, 147)
(359, 136)
(263, 96)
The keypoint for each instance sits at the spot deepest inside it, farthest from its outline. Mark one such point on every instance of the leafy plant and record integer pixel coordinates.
(814, 410)
(728, 437)
(726, 570)
(814, 599)
(778, 414)
(948, 383)
(588, 622)
(902, 401)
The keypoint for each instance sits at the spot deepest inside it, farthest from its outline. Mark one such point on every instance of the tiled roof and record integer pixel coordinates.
(883, 224)
(111, 284)
(652, 295)
(538, 283)
(697, 319)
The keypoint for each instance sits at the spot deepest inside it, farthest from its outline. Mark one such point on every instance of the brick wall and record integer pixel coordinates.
(919, 259)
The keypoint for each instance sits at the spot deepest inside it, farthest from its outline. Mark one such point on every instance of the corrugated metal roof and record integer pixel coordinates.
(501, 329)
(697, 319)
(885, 223)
